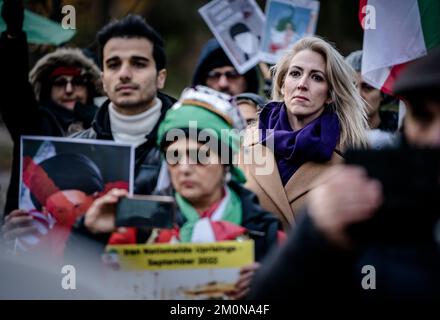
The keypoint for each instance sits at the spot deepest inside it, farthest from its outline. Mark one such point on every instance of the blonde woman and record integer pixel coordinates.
(316, 114)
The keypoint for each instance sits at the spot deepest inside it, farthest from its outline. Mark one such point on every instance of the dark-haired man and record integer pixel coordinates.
(133, 70)
(133, 60)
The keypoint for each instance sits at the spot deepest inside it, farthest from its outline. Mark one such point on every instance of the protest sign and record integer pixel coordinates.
(238, 27)
(176, 271)
(287, 21)
(59, 180)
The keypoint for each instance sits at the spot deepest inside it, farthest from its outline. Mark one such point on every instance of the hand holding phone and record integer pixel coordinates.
(146, 212)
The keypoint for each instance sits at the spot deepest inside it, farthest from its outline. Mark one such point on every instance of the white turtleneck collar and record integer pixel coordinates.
(134, 129)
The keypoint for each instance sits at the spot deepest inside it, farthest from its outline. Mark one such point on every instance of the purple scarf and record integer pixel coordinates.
(315, 142)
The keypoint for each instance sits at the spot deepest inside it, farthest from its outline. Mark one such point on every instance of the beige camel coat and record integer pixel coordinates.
(260, 167)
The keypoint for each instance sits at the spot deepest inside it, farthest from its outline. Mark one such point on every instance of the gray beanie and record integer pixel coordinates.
(354, 59)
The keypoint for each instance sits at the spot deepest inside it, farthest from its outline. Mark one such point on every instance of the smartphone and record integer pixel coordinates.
(149, 211)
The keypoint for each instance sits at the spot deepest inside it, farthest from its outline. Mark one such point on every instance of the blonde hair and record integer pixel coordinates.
(346, 100)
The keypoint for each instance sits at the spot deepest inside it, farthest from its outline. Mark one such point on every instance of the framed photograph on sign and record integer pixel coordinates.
(287, 21)
(238, 27)
(59, 180)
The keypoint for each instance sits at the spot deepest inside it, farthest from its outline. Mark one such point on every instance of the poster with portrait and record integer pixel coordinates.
(238, 27)
(287, 21)
(59, 180)
(179, 271)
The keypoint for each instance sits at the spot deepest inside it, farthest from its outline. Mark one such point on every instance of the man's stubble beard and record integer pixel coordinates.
(135, 107)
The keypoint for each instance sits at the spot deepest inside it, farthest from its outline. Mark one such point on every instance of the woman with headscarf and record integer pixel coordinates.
(212, 203)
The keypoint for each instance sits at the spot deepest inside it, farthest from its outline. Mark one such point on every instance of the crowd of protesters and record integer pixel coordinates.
(319, 109)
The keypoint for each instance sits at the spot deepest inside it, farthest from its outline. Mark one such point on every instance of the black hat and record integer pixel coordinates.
(259, 101)
(213, 56)
(421, 77)
(72, 171)
(237, 29)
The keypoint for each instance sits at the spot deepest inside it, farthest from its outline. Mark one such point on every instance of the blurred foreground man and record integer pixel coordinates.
(339, 250)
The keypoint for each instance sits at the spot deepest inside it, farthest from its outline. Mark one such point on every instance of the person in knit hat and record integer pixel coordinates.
(212, 203)
(382, 123)
(216, 71)
(250, 104)
(67, 78)
(57, 93)
(54, 99)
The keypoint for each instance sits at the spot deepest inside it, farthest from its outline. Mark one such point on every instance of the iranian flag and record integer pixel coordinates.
(395, 33)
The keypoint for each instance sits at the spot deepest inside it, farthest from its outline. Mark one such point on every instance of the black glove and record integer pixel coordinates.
(13, 15)
(85, 113)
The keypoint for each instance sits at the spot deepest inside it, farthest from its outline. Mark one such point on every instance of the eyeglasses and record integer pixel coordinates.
(74, 82)
(192, 157)
(216, 75)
